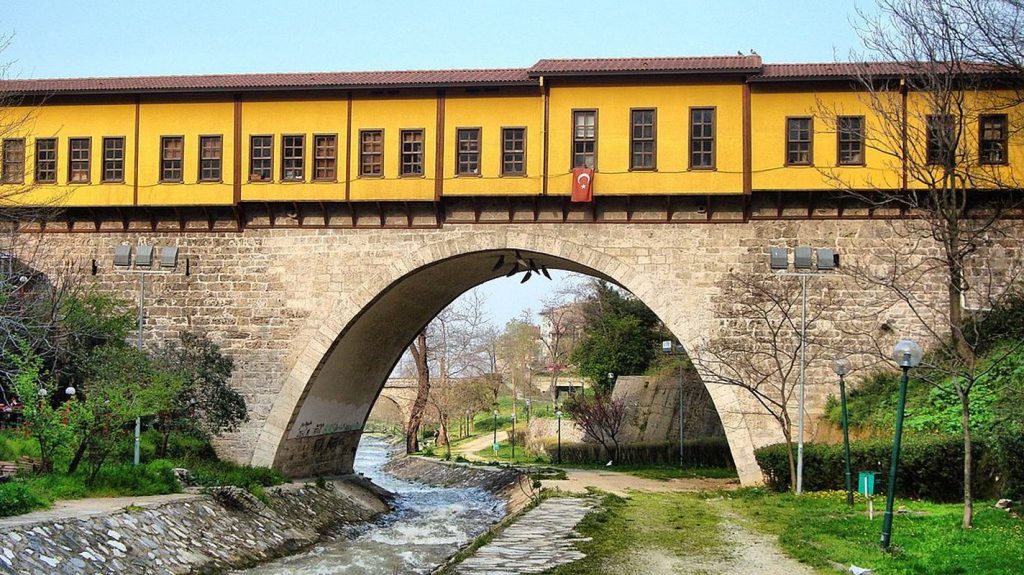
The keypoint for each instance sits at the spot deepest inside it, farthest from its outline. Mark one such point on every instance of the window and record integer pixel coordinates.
(702, 138)
(261, 158)
(46, 160)
(210, 157)
(293, 151)
(172, 150)
(78, 160)
(798, 142)
(371, 153)
(513, 151)
(993, 139)
(643, 145)
(14, 161)
(412, 153)
(325, 157)
(584, 139)
(113, 159)
(850, 133)
(940, 134)
(468, 150)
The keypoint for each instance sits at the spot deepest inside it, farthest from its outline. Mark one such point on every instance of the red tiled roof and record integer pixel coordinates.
(740, 64)
(599, 66)
(315, 80)
(851, 70)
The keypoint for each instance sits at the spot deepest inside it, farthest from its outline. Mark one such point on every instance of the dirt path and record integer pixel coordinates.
(89, 507)
(469, 448)
(578, 480)
(746, 550)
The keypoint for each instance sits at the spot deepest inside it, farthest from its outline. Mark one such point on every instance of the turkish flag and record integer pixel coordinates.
(582, 185)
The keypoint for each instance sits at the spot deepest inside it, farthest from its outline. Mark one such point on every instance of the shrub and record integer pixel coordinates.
(930, 468)
(16, 498)
(220, 473)
(701, 453)
(15, 444)
(153, 478)
(1009, 454)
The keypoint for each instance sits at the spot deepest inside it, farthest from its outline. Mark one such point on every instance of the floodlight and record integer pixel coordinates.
(144, 257)
(826, 259)
(169, 257)
(779, 258)
(122, 256)
(802, 258)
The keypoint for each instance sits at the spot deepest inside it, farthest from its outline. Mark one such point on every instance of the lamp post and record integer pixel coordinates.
(907, 355)
(513, 437)
(840, 367)
(666, 347)
(611, 381)
(142, 264)
(495, 442)
(558, 416)
(803, 263)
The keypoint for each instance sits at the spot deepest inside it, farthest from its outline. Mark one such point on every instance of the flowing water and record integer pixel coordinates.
(428, 525)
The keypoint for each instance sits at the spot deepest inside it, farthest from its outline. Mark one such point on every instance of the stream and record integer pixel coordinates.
(428, 525)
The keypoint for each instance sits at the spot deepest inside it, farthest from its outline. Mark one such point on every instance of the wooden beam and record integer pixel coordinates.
(135, 153)
(439, 148)
(236, 152)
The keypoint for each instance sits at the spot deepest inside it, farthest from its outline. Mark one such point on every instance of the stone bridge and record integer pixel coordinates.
(316, 317)
(396, 398)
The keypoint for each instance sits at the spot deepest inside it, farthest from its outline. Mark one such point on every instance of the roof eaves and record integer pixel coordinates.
(249, 89)
(678, 72)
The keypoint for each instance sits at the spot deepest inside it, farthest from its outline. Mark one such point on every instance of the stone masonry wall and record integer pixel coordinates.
(277, 300)
(199, 534)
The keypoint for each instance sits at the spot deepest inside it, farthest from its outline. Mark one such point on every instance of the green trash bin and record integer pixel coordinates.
(866, 483)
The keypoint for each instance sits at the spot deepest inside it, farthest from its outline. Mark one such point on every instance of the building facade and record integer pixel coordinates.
(710, 128)
(324, 219)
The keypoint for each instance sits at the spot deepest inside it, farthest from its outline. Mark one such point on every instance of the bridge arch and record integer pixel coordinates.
(317, 418)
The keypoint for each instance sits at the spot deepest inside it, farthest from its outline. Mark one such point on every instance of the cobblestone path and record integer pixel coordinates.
(541, 539)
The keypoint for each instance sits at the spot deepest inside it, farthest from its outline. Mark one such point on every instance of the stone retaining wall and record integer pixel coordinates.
(510, 484)
(226, 529)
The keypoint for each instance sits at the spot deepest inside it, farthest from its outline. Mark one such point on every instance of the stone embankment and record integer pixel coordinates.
(227, 528)
(510, 484)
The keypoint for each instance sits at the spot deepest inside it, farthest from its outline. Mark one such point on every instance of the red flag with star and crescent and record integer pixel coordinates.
(582, 184)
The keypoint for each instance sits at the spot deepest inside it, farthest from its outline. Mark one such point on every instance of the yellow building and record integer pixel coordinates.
(709, 127)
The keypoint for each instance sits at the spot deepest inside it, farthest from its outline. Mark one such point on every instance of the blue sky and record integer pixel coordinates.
(61, 38)
(105, 38)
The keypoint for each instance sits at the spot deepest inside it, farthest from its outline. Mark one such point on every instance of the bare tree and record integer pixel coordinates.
(943, 90)
(459, 359)
(601, 417)
(761, 353)
(419, 351)
(518, 347)
(490, 345)
(561, 329)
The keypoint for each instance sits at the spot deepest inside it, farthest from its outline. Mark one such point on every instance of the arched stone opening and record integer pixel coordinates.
(317, 419)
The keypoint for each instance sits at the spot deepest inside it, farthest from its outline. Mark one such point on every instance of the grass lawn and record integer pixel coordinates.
(647, 533)
(118, 477)
(819, 529)
(504, 455)
(660, 472)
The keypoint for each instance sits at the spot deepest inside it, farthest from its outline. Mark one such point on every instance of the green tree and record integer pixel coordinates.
(206, 404)
(620, 334)
(48, 425)
(123, 384)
